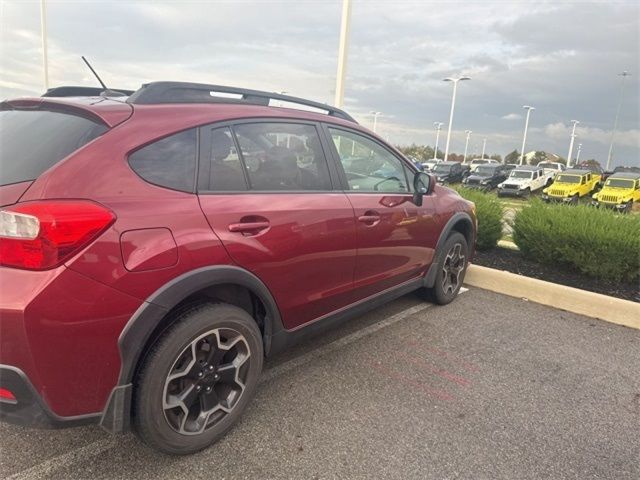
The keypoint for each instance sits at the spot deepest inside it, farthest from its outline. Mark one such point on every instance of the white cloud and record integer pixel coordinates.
(512, 116)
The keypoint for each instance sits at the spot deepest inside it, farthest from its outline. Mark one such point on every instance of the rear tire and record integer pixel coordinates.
(452, 266)
(197, 379)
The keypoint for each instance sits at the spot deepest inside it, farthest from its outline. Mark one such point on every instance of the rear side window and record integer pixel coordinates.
(32, 141)
(169, 162)
(283, 157)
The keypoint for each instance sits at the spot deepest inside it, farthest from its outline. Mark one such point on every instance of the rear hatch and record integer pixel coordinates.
(34, 140)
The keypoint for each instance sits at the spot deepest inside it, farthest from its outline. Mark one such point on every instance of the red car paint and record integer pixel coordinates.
(316, 252)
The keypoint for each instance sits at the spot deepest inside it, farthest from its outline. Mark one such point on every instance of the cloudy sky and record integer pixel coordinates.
(562, 57)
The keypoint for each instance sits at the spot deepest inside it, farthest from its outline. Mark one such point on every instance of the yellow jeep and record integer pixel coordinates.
(570, 185)
(619, 192)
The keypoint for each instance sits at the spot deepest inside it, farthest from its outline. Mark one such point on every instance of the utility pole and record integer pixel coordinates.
(375, 120)
(466, 146)
(438, 126)
(453, 106)
(573, 137)
(578, 154)
(526, 127)
(624, 76)
(342, 52)
(484, 146)
(43, 32)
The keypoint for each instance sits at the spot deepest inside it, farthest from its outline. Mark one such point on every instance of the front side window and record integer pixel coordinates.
(368, 166)
(169, 162)
(283, 157)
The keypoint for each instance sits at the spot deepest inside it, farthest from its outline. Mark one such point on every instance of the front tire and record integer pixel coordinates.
(197, 379)
(452, 266)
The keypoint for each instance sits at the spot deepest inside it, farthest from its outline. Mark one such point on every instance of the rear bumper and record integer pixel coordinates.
(28, 409)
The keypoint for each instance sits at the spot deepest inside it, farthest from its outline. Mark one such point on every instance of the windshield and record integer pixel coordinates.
(619, 183)
(520, 174)
(568, 179)
(485, 171)
(479, 162)
(442, 168)
(548, 165)
(33, 141)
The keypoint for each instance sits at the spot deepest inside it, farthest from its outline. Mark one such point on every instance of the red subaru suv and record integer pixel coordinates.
(156, 245)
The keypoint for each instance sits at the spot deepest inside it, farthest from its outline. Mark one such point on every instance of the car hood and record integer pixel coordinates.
(10, 194)
(479, 177)
(517, 181)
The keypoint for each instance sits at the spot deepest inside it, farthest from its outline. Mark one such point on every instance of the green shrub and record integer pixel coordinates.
(595, 242)
(490, 213)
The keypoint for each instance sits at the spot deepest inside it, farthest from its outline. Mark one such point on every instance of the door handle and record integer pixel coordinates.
(248, 228)
(369, 218)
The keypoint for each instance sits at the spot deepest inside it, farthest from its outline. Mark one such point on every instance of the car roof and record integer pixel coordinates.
(528, 168)
(446, 164)
(626, 175)
(576, 171)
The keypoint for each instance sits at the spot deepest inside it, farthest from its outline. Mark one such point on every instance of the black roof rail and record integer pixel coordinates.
(185, 92)
(73, 91)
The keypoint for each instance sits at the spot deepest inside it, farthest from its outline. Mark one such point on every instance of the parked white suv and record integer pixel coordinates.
(430, 164)
(523, 180)
(552, 167)
(475, 163)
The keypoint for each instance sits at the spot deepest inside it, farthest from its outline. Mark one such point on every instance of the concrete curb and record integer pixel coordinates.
(595, 305)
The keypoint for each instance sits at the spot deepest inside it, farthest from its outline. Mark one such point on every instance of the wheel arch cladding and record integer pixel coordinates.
(227, 284)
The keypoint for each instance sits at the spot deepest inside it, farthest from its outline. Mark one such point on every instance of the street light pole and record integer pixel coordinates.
(466, 146)
(526, 127)
(453, 106)
(624, 76)
(573, 137)
(375, 120)
(484, 146)
(342, 52)
(578, 154)
(43, 31)
(438, 126)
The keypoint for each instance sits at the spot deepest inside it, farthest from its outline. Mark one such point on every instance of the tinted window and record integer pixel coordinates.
(226, 173)
(283, 156)
(35, 140)
(170, 162)
(368, 166)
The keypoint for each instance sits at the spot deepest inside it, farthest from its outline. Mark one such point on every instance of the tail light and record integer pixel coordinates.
(42, 235)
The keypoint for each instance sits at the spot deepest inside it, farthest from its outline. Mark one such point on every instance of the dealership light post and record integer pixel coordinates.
(573, 137)
(624, 76)
(438, 126)
(43, 32)
(375, 120)
(484, 147)
(466, 146)
(342, 52)
(528, 108)
(453, 106)
(578, 154)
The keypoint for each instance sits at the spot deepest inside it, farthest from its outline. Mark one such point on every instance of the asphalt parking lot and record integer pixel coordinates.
(488, 387)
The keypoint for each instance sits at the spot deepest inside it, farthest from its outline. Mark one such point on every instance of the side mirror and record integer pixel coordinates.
(422, 185)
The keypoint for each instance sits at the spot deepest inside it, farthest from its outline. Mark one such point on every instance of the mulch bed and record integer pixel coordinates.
(512, 261)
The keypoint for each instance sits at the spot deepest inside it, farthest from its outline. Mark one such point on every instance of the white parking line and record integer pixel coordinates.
(46, 468)
(96, 448)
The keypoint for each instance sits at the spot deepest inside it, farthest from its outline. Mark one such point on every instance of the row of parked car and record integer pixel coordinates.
(618, 190)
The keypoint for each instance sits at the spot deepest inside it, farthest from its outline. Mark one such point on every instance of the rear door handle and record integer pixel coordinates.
(248, 228)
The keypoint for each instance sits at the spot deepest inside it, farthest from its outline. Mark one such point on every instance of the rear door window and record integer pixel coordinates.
(283, 157)
(32, 141)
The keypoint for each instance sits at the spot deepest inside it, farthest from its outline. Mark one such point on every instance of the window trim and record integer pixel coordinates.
(206, 129)
(341, 172)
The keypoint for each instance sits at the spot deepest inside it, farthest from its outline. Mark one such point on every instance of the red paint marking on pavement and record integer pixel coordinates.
(440, 394)
(436, 371)
(449, 356)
